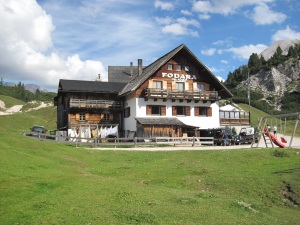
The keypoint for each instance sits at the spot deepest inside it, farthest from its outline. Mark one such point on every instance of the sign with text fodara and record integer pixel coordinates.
(179, 77)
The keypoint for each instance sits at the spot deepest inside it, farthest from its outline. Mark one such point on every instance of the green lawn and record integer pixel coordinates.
(43, 182)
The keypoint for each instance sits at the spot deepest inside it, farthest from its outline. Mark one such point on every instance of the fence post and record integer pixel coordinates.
(135, 141)
(193, 141)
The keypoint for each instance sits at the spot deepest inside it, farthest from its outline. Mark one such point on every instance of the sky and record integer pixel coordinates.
(42, 41)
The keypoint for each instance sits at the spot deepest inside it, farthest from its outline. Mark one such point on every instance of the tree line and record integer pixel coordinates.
(19, 92)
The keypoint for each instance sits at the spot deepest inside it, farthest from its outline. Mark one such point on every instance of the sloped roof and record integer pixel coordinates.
(162, 121)
(89, 86)
(228, 108)
(136, 81)
(121, 74)
(159, 121)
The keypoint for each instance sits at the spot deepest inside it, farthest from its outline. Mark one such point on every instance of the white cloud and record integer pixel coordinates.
(175, 28)
(224, 62)
(209, 52)
(186, 12)
(220, 79)
(204, 16)
(244, 52)
(26, 48)
(286, 34)
(263, 15)
(163, 21)
(178, 29)
(163, 5)
(187, 22)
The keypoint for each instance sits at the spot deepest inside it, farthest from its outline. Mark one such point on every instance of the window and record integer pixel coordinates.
(203, 111)
(82, 117)
(181, 111)
(106, 117)
(200, 87)
(127, 112)
(179, 86)
(170, 66)
(155, 110)
(178, 67)
(187, 68)
(157, 84)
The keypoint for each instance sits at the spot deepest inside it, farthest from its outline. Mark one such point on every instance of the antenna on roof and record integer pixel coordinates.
(99, 77)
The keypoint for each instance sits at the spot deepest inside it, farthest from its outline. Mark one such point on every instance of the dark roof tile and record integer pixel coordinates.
(89, 86)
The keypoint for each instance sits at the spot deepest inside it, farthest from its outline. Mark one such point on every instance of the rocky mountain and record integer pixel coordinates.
(278, 77)
(30, 87)
(283, 44)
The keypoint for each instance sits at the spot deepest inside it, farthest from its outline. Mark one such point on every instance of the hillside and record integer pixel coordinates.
(19, 92)
(274, 79)
(44, 182)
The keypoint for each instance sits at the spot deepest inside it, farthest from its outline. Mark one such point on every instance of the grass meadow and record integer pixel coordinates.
(43, 182)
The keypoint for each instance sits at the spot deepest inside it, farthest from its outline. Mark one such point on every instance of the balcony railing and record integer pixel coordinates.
(86, 103)
(231, 118)
(178, 94)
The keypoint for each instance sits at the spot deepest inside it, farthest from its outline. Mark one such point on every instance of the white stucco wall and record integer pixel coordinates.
(138, 109)
(130, 122)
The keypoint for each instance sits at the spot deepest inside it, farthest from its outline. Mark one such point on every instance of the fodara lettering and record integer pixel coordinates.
(177, 76)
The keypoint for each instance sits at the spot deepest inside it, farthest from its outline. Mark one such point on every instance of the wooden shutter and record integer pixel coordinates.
(207, 88)
(150, 84)
(186, 86)
(164, 85)
(196, 111)
(148, 110)
(195, 86)
(77, 116)
(174, 111)
(187, 111)
(87, 116)
(163, 110)
(209, 111)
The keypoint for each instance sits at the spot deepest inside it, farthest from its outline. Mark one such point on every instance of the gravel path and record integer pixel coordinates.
(295, 144)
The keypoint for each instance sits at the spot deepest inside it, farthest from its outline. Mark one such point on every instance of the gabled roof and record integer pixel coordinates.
(89, 86)
(121, 74)
(137, 81)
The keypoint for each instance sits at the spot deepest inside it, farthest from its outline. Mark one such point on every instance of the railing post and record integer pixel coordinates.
(193, 141)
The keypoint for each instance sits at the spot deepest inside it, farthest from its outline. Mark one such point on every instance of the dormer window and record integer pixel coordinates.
(187, 68)
(170, 66)
(178, 67)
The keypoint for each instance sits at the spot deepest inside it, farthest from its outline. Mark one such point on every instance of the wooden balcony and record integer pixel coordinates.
(97, 104)
(154, 93)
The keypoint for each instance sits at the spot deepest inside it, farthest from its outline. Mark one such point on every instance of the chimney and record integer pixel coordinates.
(131, 69)
(140, 66)
(99, 77)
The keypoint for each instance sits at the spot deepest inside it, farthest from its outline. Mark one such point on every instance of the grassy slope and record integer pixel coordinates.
(10, 101)
(47, 183)
(255, 114)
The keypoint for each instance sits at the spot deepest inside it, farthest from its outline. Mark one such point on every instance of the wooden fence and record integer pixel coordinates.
(122, 142)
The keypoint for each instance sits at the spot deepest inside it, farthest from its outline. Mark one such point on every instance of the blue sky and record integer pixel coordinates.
(46, 40)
